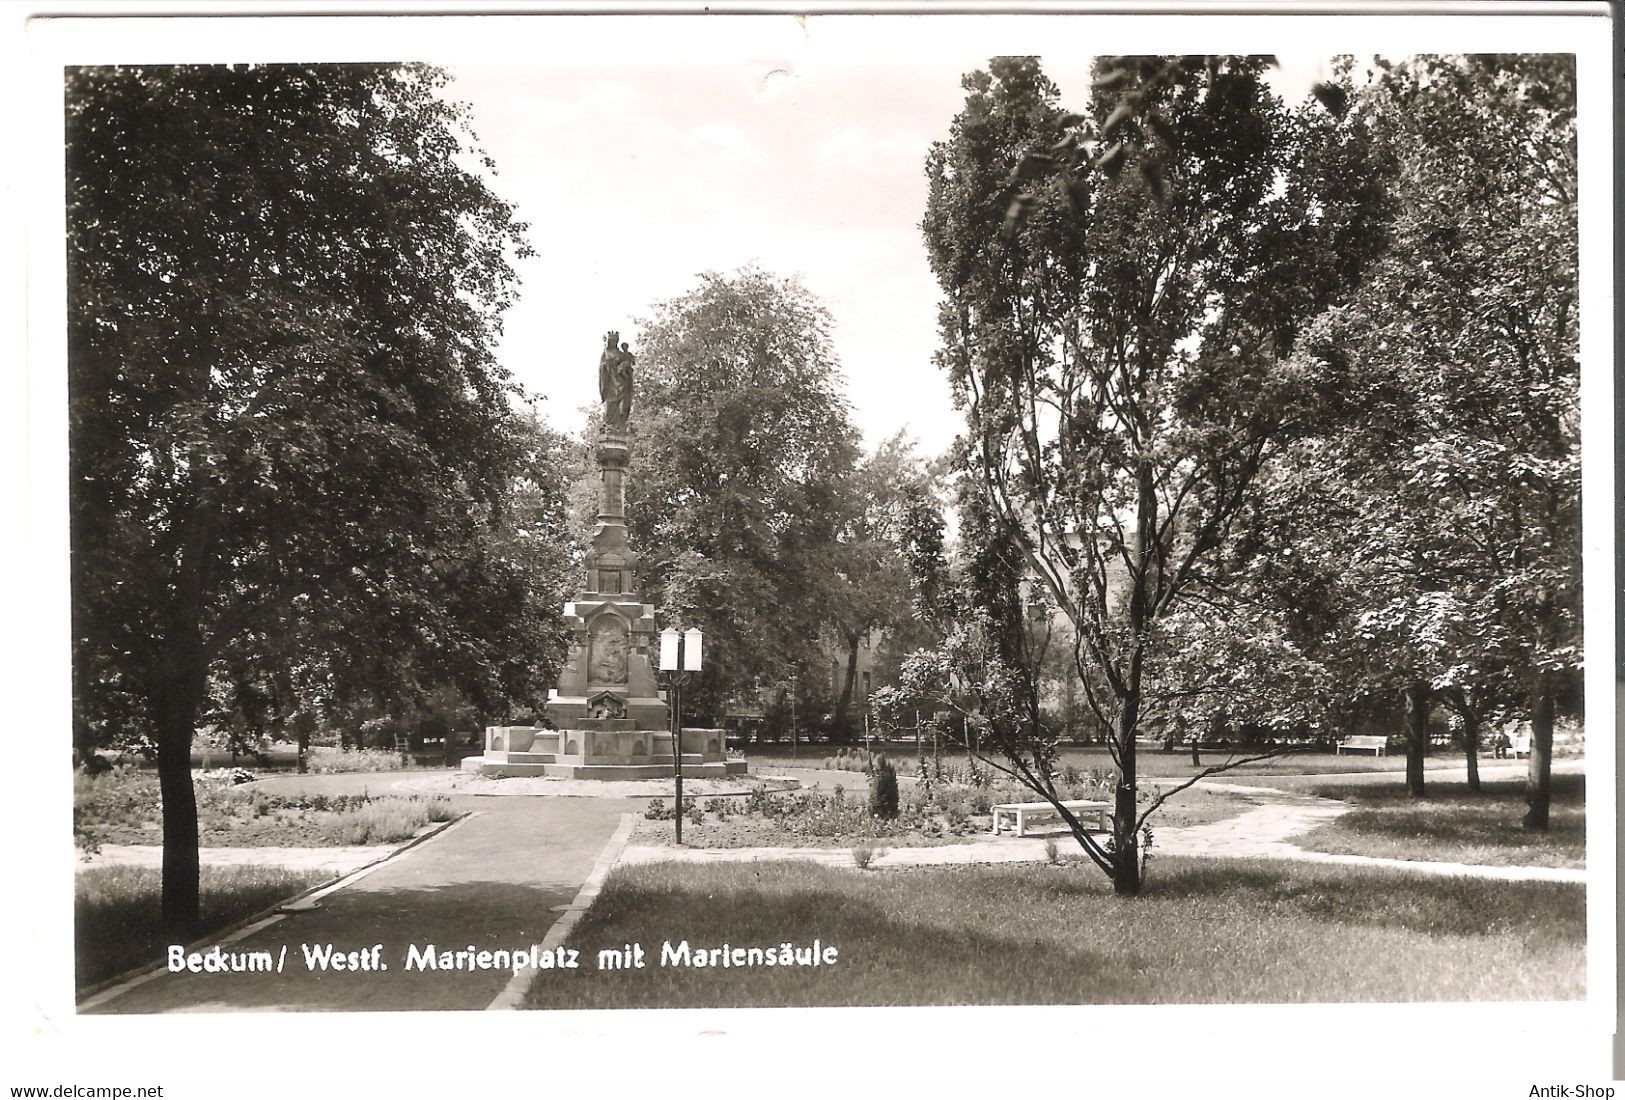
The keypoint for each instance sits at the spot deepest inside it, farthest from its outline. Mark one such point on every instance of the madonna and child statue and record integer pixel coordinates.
(615, 382)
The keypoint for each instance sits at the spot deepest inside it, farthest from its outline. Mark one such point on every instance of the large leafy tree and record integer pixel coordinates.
(1119, 341)
(289, 436)
(739, 483)
(1460, 478)
(886, 511)
(1420, 547)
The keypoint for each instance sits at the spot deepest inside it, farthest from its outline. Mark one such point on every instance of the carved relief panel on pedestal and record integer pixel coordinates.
(607, 650)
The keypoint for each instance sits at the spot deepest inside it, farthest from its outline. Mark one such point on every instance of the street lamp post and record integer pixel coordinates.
(680, 654)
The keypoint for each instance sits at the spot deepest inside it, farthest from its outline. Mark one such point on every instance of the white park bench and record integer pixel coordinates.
(1375, 742)
(1022, 813)
(1520, 746)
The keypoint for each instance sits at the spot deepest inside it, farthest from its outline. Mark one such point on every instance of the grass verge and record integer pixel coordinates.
(1203, 932)
(116, 924)
(1455, 825)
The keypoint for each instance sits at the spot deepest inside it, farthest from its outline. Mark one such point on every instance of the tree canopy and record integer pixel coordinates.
(290, 438)
(1119, 340)
(744, 448)
(1448, 479)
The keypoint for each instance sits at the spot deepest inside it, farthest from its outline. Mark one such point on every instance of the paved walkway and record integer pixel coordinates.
(494, 880)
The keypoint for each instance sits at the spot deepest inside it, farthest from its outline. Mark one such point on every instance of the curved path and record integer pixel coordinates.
(1264, 833)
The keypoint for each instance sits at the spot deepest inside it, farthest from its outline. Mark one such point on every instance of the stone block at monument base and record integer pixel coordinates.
(596, 753)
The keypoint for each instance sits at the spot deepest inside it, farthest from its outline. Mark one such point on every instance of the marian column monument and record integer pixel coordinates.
(608, 718)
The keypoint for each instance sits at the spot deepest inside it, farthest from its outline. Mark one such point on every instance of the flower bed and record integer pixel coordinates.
(946, 810)
(123, 807)
(946, 805)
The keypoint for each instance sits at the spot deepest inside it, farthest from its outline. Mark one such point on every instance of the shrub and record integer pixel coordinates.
(378, 825)
(387, 820)
(760, 801)
(122, 798)
(851, 760)
(230, 776)
(883, 790)
(659, 811)
(1052, 854)
(862, 855)
(815, 814)
(338, 761)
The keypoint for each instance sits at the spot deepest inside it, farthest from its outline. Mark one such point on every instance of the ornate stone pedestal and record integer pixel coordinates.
(611, 719)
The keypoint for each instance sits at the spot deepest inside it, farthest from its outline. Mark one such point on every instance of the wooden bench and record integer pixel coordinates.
(1023, 812)
(1377, 743)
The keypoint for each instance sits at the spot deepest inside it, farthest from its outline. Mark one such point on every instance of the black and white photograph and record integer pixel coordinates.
(913, 536)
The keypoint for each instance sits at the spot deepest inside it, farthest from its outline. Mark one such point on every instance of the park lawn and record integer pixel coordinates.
(1197, 806)
(116, 924)
(1454, 825)
(1203, 932)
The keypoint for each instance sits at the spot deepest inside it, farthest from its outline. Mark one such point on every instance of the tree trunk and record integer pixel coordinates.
(1125, 843)
(303, 735)
(1469, 733)
(1538, 787)
(180, 686)
(844, 705)
(180, 877)
(1068, 718)
(1126, 846)
(175, 705)
(1417, 698)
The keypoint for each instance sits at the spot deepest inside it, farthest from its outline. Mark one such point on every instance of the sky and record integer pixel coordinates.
(637, 176)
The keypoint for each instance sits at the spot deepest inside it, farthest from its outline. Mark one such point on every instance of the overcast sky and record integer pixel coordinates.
(637, 177)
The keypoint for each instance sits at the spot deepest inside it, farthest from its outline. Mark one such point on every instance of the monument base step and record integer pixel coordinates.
(695, 769)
